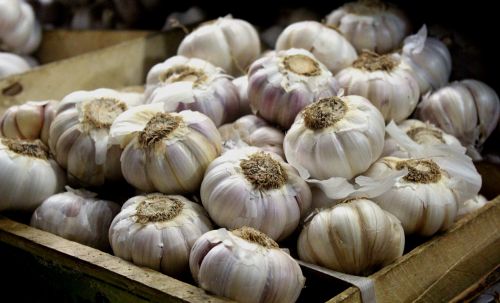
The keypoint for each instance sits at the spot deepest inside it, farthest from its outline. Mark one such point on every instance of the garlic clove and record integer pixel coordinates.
(471, 205)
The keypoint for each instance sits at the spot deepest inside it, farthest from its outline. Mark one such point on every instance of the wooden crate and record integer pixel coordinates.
(437, 270)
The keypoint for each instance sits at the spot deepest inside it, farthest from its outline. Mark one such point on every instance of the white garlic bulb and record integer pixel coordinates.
(166, 152)
(428, 59)
(20, 32)
(10, 11)
(280, 85)
(245, 265)
(31, 120)
(370, 25)
(77, 215)
(385, 81)
(28, 174)
(468, 110)
(471, 205)
(325, 43)
(354, 237)
(251, 130)
(241, 84)
(336, 137)
(79, 134)
(11, 64)
(250, 187)
(422, 133)
(158, 231)
(232, 44)
(182, 83)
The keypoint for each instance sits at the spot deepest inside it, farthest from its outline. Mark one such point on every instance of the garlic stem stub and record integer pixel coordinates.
(28, 174)
(79, 134)
(385, 81)
(158, 231)
(181, 83)
(325, 43)
(165, 152)
(231, 44)
(371, 25)
(250, 187)
(335, 137)
(77, 215)
(245, 265)
(282, 84)
(355, 237)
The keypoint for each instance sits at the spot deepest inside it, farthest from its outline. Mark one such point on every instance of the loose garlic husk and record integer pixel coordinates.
(370, 25)
(336, 137)
(281, 85)
(23, 34)
(30, 121)
(158, 231)
(77, 215)
(385, 81)
(355, 237)
(79, 134)
(12, 64)
(251, 130)
(422, 133)
(468, 110)
(245, 265)
(182, 83)
(250, 187)
(325, 43)
(166, 152)
(232, 44)
(428, 60)
(28, 174)
(471, 205)
(241, 84)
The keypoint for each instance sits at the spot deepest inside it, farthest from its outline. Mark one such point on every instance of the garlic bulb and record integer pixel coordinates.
(280, 85)
(31, 120)
(28, 175)
(468, 110)
(232, 44)
(354, 237)
(245, 265)
(166, 152)
(336, 137)
(11, 64)
(250, 187)
(158, 231)
(77, 215)
(251, 130)
(79, 134)
(182, 83)
(422, 133)
(241, 84)
(385, 81)
(325, 43)
(428, 60)
(471, 205)
(20, 32)
(10, 11)
(370, 25)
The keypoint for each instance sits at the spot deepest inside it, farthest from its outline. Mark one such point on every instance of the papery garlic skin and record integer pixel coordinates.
(241, 84)
(182, 83)
(468, 110)
(28, 174)
(251, 130)
(227, 264)
(250, 187)
(280, 85)
(370, 25)
(325, 43)
(158, 231)
(336, 137)
(232, 44)
(385, 81)
(12, 64)
(23, 35)
(77, 215)
(79, 134)
(30, 121)
(428, 59)
(355, 237)
(165, 152)
(471, 205)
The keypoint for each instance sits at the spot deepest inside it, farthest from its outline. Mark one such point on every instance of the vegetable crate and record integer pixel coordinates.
(41, 266)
